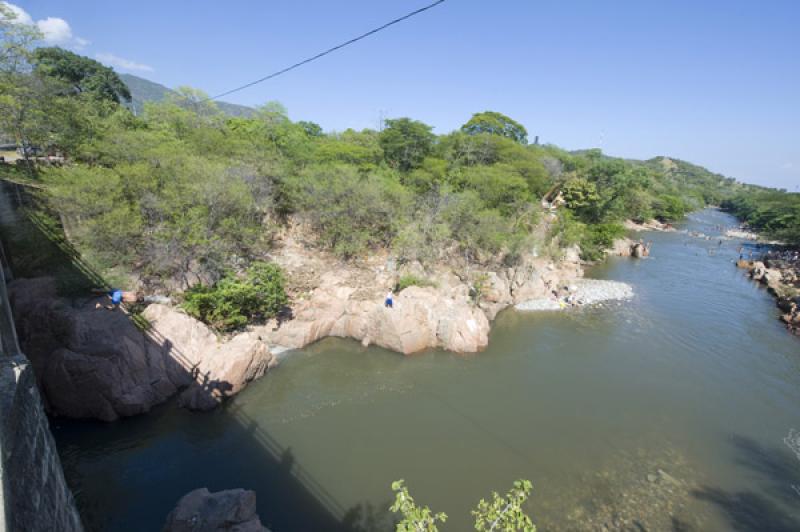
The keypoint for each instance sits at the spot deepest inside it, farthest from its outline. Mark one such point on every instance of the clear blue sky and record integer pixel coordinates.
(712, 82)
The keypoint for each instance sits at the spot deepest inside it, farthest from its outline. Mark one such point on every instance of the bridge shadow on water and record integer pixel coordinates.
(129, 474)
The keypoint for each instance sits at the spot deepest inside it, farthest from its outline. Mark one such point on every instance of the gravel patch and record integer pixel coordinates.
(582, 292)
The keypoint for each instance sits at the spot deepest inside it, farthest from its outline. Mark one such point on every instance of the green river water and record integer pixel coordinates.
(694, 377)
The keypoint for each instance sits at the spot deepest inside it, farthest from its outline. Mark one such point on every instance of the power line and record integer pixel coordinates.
(329, 50)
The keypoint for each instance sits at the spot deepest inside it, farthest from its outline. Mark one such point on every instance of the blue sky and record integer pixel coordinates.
(713, 82)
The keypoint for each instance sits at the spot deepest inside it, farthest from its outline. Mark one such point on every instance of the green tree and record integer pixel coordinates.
(81, 74)
(496, 123)
(580, 194)
(406, 142)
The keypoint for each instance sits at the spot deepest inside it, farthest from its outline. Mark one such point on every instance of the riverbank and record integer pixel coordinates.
(588, 404)
(779, 271)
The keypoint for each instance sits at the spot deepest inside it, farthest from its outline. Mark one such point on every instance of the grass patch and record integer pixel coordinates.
(412, 280)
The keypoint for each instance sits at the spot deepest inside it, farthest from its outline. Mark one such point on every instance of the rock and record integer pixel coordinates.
(651, 478)
(621, 247)
(422, 317)
(96, 363)
(757, 270)
(666, 477)
(772, 278)
(639, 250)
(222, 511)
(90, 362)
(218, 369)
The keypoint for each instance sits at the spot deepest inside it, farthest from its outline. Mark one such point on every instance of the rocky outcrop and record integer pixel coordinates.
(92, 362)
(453, 313)
(781, 280)
(420, 318)
(222, 511)
(648, 225)
(218, 369)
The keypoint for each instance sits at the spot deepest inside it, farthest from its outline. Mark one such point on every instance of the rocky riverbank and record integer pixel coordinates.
(92, 362)
(95, 362)
(780, 273)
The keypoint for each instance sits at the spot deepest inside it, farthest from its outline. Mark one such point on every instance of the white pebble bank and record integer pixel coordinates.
(583, 292)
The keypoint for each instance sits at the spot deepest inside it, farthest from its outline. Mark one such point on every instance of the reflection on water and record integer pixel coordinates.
(666, 412)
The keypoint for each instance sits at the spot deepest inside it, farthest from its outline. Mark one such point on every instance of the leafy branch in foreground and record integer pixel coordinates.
(505, 513)
(500, 514)
(415, 518)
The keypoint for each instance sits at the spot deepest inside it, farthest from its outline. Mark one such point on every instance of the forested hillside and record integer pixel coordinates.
(183, 188)
(144, 90)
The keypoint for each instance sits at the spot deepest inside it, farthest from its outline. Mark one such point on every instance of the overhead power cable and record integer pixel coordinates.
(328, 51)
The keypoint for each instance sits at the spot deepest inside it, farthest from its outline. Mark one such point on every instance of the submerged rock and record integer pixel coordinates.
(222, 511)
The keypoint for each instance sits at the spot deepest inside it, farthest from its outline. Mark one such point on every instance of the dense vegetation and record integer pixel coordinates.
(183, 193)
(234, 301)
(776, 213)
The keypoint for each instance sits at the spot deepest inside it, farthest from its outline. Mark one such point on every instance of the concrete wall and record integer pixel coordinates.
(33, 492)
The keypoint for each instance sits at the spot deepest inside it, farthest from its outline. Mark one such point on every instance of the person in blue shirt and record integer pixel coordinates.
(116, 296)
(389, 302)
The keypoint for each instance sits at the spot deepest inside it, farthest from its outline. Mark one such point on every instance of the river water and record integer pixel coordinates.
(666, 412)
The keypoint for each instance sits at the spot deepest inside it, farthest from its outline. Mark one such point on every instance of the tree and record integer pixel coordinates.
(81, 74)
(312, 129)
(496, 124)
(579, 194)
(415, 518)
(406, 142)
(20, 93)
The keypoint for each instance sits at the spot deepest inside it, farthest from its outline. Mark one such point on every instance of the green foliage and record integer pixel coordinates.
(597, 238)
(669, 208)
(496, 124)
(505, 513)
(233, 301)
(412, 280)
(502, 513)
(414, 518)
(580, 194)
(349, 212)
(406, 142)
(185, 192)
(81, 74)
(478, 288)
(773, 212)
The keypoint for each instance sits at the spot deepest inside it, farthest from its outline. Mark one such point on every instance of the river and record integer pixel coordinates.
(666, 412)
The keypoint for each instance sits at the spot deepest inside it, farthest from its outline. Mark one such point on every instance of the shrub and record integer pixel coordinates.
(597, 238)
(349, 212)
(412, 280)
(232, 302)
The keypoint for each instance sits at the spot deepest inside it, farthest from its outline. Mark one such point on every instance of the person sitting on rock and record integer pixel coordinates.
(389, 302)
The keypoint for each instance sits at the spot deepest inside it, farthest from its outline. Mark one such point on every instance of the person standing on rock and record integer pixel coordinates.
(389, 302)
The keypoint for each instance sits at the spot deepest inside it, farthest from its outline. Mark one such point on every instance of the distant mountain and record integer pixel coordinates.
(144, 90)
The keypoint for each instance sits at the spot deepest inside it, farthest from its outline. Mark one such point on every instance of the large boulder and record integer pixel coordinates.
(90, 362)
(223, 511)
(422, 317)
(218, 369)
